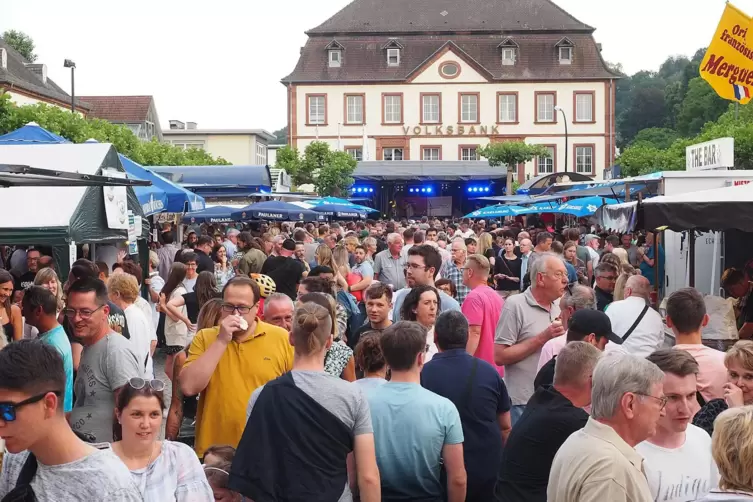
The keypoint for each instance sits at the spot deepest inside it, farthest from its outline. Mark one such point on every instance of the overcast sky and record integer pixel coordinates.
(220, 62)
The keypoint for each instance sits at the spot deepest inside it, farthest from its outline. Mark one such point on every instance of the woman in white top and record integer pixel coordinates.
(123, 291)
(176, 332)
(421, 305)
(164, 471)
(732, 449)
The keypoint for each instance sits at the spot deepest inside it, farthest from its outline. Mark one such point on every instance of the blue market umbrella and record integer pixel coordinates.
(343, 202)
(215, 214)
(340, 211)
(497, 211)
(274, 210)
(584, 207)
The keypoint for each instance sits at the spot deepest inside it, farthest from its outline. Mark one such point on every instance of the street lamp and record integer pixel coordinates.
(72, 65)
(564, 117)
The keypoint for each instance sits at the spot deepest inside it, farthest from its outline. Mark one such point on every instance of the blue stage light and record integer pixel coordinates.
(486, 189)
(371, 190)
(410, 190)
(428, 189)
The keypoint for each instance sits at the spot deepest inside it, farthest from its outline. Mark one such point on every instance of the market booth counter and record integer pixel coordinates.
(63, 216)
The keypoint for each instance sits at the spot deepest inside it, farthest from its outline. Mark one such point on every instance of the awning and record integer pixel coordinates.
(498, 211)
(178, 199)
(274, 210)
(341, 202)
(218, 181)
(718, 209)
(618, 217)
(340, 211)
(214, 214)
(543, 182)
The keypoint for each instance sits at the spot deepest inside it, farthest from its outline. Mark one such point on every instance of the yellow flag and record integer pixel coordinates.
(728, 63)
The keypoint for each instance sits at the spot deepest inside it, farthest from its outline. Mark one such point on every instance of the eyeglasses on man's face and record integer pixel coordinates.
(241, 309)
(662, 400)
(71, 313)
(414, 266)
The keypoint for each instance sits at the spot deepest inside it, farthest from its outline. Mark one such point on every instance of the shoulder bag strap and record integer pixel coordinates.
(635, 324)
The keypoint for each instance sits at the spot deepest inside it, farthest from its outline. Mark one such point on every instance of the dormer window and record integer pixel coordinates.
(393, 49)
(335, 54)
(565, 51)
(509, 51)
(335, 58)
(393, 57)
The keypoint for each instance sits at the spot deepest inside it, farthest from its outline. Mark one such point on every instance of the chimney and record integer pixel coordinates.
(40, 70)
(177, 124)
(191, 125)
(598, 46)
(3, 59)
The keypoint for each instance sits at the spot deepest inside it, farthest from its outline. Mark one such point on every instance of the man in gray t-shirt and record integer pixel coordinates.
(343, 399)
(105, 367)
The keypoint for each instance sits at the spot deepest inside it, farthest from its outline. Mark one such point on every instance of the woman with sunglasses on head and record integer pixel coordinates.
(333, 440)
(10, 315)
(163, 471)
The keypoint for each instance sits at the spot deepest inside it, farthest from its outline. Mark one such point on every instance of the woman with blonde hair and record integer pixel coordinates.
(324, 257)
(732, 449)
(338, 360)
(123, 290)
(484, 247)
(738, 391)
(626, 271)
(49, 280)
(332, 430)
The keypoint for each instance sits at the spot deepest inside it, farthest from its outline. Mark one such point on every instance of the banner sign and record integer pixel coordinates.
(728, 63)
(715, 154)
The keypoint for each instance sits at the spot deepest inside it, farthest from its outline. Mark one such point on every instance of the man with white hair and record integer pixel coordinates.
(527, 322)
(553, 413)
(231, 242)
(575, 298)
(526, 250)
(599, 463)
(633, 319)
(453, 269)
(389, 265)
(278, 311)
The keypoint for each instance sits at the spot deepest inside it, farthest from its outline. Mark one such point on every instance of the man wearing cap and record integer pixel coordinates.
(590, 326)
(284, 269)
(231, 241)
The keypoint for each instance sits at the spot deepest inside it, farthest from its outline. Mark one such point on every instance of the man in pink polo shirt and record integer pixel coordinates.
(575, 298)
(686, 316)
(482, 308)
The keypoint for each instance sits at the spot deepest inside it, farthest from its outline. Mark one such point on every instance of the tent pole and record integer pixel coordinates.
(93, 252)
(691, 259)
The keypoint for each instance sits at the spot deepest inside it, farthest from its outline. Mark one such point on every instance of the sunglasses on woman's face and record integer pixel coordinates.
(9, 409)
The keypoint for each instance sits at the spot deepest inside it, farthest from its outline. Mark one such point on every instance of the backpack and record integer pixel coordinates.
(355, 317)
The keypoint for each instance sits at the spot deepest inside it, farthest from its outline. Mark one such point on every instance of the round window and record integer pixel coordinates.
(449, 70)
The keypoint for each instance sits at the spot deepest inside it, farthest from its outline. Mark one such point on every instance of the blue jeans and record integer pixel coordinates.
(516, 411)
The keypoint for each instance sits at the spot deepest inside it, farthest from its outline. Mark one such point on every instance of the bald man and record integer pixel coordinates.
(640, 326)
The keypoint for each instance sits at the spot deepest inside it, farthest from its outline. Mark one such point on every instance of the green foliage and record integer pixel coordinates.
(335, 178)
(701, 104)
(660, 137)
(21, 42)
(329, 171)
(281, 136)
(78, 129)
(511, 153)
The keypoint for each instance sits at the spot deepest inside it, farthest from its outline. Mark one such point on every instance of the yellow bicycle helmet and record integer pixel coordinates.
(266, 285)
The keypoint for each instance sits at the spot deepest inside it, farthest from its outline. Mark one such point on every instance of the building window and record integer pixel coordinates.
(261, 154)
(393, 109)
(356, 152)
(430, 153)
(584, 159)
(469, 108)
(430, 109)
(566, 54)
(508, 56)
(335, 58)
(508, 107)
(354, 109)
(449, 69)
(545, 103)
(468, 153)
(392, 154)
(185, 145)
(393, 57)
(317, 109)
(584, 106)
(545, 165)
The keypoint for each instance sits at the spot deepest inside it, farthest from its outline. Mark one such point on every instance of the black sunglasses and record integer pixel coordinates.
(8, 409)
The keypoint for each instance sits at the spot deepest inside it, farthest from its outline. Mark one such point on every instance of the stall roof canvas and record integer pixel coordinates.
(49, 206)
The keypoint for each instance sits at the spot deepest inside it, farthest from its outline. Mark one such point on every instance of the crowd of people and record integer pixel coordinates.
(375, 361)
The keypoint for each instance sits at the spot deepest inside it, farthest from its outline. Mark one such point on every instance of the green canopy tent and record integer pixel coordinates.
(59, 216)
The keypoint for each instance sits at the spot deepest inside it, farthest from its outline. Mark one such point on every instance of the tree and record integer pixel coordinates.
(510, 154)
(289, 159)
(701, 104)
(658, 137)
(78, 129)
(335, 178)
(281, 136)
(22, 42)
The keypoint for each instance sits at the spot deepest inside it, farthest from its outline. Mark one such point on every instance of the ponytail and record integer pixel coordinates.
(312, 326)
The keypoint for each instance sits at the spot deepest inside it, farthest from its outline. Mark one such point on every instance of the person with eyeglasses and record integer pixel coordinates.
(45, 460)
(228, 362)
(107, 360)
(606, 278)
(599, 462)
(163, 471)
(677, 459)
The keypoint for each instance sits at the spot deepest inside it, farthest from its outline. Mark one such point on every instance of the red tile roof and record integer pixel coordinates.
(119, 108)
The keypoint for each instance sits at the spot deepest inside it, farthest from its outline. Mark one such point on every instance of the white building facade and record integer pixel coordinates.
(437, 87)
